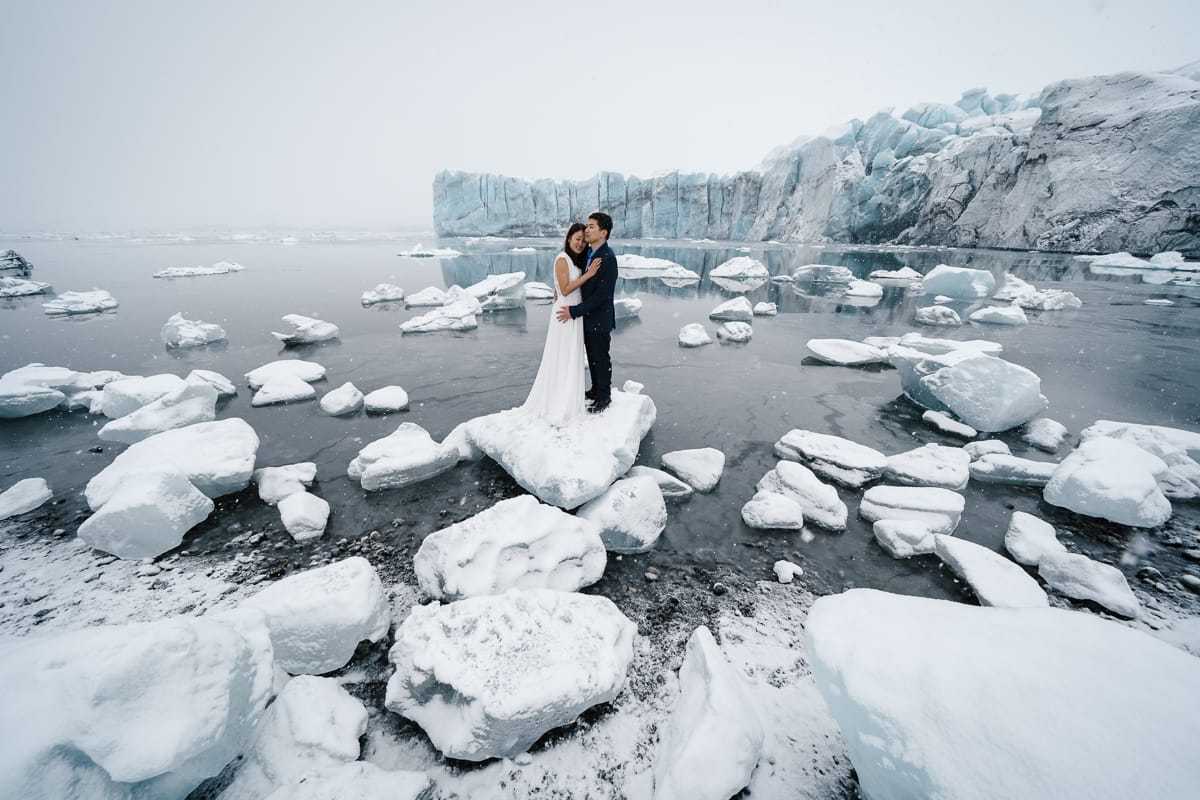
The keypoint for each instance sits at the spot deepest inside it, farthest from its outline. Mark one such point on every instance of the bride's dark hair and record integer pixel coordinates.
(576, 258)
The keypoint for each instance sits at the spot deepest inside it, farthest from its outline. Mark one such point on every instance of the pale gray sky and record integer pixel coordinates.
(161, 115)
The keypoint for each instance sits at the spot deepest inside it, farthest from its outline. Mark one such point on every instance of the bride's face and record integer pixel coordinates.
(576, 241)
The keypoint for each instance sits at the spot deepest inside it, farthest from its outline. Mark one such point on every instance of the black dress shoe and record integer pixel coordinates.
(590, 394)
(599, 405)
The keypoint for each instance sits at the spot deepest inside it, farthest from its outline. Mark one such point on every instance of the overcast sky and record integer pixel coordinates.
(164, 115)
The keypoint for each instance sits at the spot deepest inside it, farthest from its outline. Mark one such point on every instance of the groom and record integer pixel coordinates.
(596, 308)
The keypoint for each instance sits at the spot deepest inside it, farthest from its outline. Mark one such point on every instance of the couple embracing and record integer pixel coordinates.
(585, 278)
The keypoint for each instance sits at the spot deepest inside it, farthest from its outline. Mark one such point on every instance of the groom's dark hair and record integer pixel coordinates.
(603, 221)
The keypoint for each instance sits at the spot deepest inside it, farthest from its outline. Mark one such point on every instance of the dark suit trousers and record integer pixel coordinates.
(596, 344)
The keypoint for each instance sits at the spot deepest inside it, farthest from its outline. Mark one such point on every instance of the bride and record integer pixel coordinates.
(557, 393)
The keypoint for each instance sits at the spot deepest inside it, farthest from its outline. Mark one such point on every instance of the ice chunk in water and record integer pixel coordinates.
(937, 316)
(693, 335)
(773, 511)
(904, 538)
(994, 579)
(1030, 539)
(930, 465)
(408, 455)
(841, 460)
(306, 330)
(346, 399)
(1000, 315)
(304, 515)
(1005, 468)
(1112, 479)
(987, 392)
(195, 401)
(630, 515)
(845, 352)
(386, 400)
(820, 501)
(147, 515)
(1045, 434)
(308, 371)
(1082, 578)
(383, 293)
(736, 310)
(959, 282)
(181, 332)
(700, 468)
(735, 331)
(939, 509)
(126, 395)
(92, 302)
(283, 389)
(276, 483)
(671, 487)
(24, 496)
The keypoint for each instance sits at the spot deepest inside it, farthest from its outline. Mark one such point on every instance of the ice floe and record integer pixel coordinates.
(180, 332)
(421, 251)
(765, 309)
(994, 579)
(630, 515)
(910, 680)
(671, 487)
(987, 447)
(986, 392)
(1000, 315)
(940, 509)
(1013, 470)
(736, 310)
(947, 424)
(1045, 434)
(126, 395)
(20, 287)
(796, 482)
(700, 468)
(930, 465)
(406, 456)
(845, 352)
(276, 483)
(841, 460)
(386, 400)
(306, 330)
(308, 371)
(429, 296)
(822, 273)
(565, 466)
(713, 739)
(937, 316)
(1029, 539)
(735, 331)
(904, 275)
(857, 288)
(903, 538)
(19, 399)
(535, 290)
(456, 316)
(1174, 446)
(284, 389)
(500, 292)
(195, 401)
(383, 293)
(147, 515)
(482, 687)
(316, 618)
(346, 399)
(769, 510)
(24, 496)
(304, 515)
(219, 268)
(740, 267)
(1083, 578)
(1112, 479)
(92, 302)
(519, 542)
(693, 335)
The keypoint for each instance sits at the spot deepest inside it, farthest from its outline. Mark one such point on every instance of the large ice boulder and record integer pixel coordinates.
(768, 510)
(630, 515)
(701, 468)
(195, 401)
(346, 399)
(181, 332)
(959, 282)
(1083, 578)
(383, 293)
(147, 515)
(304, 515)
(217, 457)
(406, 456)
(317, 618)
(25, 400)
(986, 392)
(306, 330)
(930, 465)
(565, 465)
(457, 316)
(939, 509)
(1029, 539)
(313, 725)
(740, 267)
(1112, 479)
(904, 538)
(713, 739)
(488, 676)
(693, 335)
(1000, 315)
(819, 501)
(145, 710)
(307, 371)
(942, 699)
(994, 579)
(386, 400)
(841, 460)
(500, 292)
(276, 483)
(90, 302)
(519, 542)
(736, 310)
(357, 780)
(1178, 449)
(126, 395)
(24, 496)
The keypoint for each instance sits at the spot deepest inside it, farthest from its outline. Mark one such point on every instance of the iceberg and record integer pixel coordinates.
(902, 276)
(1045, 434)
(20, 287)
(930, 465)
(904, 538)
(840, 460)
(1000, 315)
(939, 509)
(1112, 479)
(736, 310)
(219, 268)
(735, 332)
(987, 392)
(458, 316)
(740, 268)
(304, 515)
(146, 516)
(306, 330)
(1177, 448)
(700, 468)
(383, 293)
(941, 699)
(25, 400)
(346, 399)
(276, 483)
(857, 288)
(959, 282)
(630, 515)
(994, 579)
(937, 316)
(1082, 578)
(796, 482)
(430, 296)
(845, 352)
(406, 456)
(195, 401)
(693, 335)
(517, 543)
(24, 496)
(126, 395)
(1000, 467)
(500, 292)
(483, 687)
(93, 302)
(1029, 539)
(386, 400)
(180, 332)
(307, 371)
(765, 309)
(284, 389)
(773, 511)
(822, 273)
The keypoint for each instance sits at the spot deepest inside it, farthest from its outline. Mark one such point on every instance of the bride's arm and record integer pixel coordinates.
(562, 270)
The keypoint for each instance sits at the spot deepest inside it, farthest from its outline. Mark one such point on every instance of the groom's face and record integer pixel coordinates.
(592, 233)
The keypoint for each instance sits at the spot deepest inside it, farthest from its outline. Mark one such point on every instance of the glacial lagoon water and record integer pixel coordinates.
(1116, 358)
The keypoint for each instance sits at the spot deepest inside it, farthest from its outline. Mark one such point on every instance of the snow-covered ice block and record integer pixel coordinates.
(845, 352)
(978, 450)
(346, 399)
(630, 515)
(1000, 315)
(959, 282)
(223, 385)
(306, 330)
(358, 780)
(822, 273)
(988, 393)
(740, 267)
(857, 288)
(459, 316)
(1045, 434)
(276, 483)
(930, 465)
(769, 510)
(519, 542)
(904, 275)
(429, 296)
(1013, 288)
(947, 424)
(735, 331)
(93, 302)
(382, 293)
(994, 579)
(219, 268)
(736, 310)
(180, 332)
(1013, 470)
(786, 571)
(627, 307)
(1112, 479)
(407, 455)
(939, 509)
(386, 400)
(217, 457)
(195, 401)
(147, 515)
(700, 468)
(765, 309)
(497, 292)
(24, 496)
(820, 501)
(565, 465)
(1029, 539)
(912, 680)
(903, 538)
(146, 710)
(933, 345)
(671, 487)
(304, 515)
(20, 287)
(488, 676)
(632, 387)
(1083, 578)
(1049, 300)
(307, 371)
(127, 395)
(536, 290)
(713, 739)
(1178, 448)
(841, 460)
(693, 335)
(24, 400)
(317, 618)
(313, 725)
(283, 389)
(940, 316)
(737, 286)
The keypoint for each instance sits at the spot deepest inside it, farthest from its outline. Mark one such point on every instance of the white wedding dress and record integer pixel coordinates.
(557, 393)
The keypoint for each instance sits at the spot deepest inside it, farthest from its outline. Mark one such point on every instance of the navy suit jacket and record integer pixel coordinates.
(596, 307)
